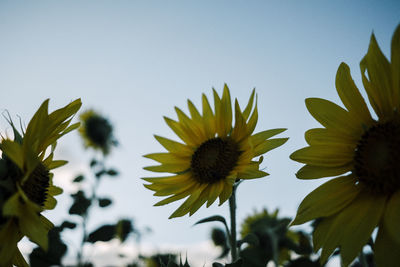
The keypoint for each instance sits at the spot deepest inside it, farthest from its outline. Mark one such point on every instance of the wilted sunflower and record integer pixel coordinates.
(26, 183)
(96, 131)
(214, 154)
(366, 151)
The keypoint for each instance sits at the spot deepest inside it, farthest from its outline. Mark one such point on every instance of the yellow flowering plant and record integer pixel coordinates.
(364, 151)
(26, 182)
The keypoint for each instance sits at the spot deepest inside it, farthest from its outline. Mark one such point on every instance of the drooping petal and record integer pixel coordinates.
(328, 199)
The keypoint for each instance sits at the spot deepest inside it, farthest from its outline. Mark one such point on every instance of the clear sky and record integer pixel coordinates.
(135, 60)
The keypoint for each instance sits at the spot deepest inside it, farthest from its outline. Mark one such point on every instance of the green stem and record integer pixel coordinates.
(232, 210)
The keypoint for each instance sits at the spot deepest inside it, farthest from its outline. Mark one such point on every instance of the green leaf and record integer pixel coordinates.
(250, 239)
(78, 179)
(68, 224)
(100, 173)
(93, 163)
(103, 233)
(80, 205)
(104, 202)
(124, 228)
(215, 218)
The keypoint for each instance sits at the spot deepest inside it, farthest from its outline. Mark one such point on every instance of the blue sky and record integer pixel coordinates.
(135, 60)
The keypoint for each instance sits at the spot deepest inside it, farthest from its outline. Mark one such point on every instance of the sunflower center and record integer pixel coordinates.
(214, 160)
(98, 130)
(37, 184)
(377, 158)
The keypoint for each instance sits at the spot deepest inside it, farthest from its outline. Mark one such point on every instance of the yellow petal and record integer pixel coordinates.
(332, 116)
(175, 179)
(395, 67)
(252, 174)
(324, 155)
(386, 250)
(378, 86)
(170, 167)
(326, 200)
(208, 117)
(180, 131)
(268, 145)
(215, 191)
(50, 203)
(249, 106)
(172, 199)
(239, 131)
(225, 193)
(258, 138)
(194, 113)
(204, 196)
(167, 158)
(14, 151)
(18, 259)
(315, 172)
(251, 125)
(28, 218)
(350, 95)
(392, 217)
(9, 235)
(174, 146)
(323, 136)
(187, 205)
(351, 228)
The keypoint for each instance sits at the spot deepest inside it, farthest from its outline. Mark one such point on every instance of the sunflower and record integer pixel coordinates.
(96, 131)
(26, 182)
(365, 152)
(214, 154)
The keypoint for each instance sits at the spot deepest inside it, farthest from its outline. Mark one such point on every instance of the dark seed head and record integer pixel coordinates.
(37, 184)
(377, 158)
(214, 160)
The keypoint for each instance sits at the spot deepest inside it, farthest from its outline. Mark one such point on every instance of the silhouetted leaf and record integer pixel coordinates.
(57, 249)
(104, 202)
(78, 179)
(68, 224)
(103, 233)
(112, 172)
(93, 163)
(80, 205)
(123, 229)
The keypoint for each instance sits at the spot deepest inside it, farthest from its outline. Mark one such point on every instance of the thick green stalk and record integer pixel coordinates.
(232, 211)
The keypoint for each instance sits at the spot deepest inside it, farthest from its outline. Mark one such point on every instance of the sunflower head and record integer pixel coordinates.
(365, 151)
(26, 183)
(96, 131)
(214, 153)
